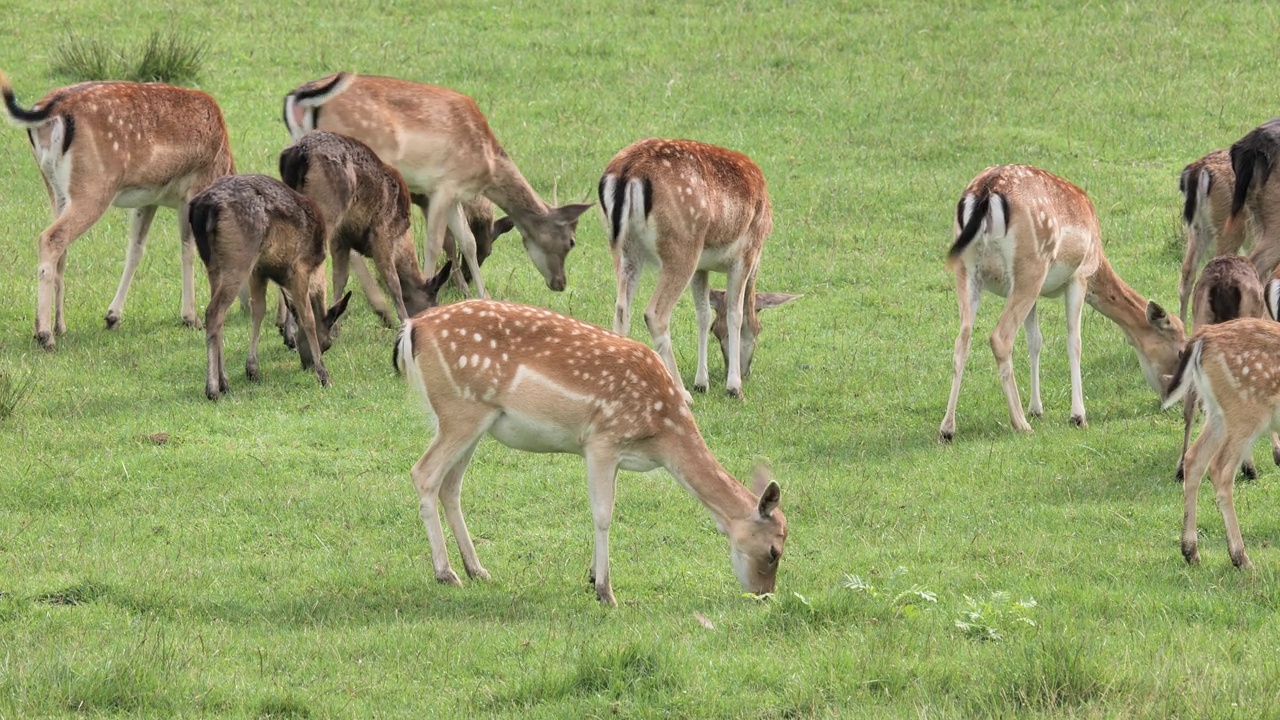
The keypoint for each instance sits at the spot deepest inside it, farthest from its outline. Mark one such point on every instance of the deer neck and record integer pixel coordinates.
(511, 192)
(1118, 302)
(702, 475)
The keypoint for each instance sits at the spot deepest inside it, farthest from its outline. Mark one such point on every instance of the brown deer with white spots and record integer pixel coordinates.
(255, 228)
(691, 208)
(1232, 368)
(1228, 289)
(443, 146)
(131, 145)
(1206, 187)
(542, 382)
(1023, 233)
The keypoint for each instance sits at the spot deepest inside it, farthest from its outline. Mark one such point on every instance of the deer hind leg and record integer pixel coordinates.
(223, 291)
(1021, 300)
(189, 317)
(1074, 298)
(451, 448)
(1197, 246)
(1188, 418)
(450, 495)
(257, 310)
(1195, 463)
(626, 270)
(1035, 341)
(286, 322)
(702, 309)
(1222, 472)
(671, 283)
(139, 225)
(969, 294)
(602, 475)
(77, 216)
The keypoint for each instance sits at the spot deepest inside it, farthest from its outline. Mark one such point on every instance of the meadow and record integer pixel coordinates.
(261, 556)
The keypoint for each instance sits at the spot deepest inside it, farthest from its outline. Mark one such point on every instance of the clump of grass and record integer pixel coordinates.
(77, 594)
(171, 57)
(13, 391)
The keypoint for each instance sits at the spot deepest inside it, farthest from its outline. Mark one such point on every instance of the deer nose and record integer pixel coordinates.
(556, 284)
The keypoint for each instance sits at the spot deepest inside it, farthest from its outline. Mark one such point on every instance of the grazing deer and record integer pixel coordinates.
(442, 144)
(692, 208)
(1252, 158)
(1206, 187)
(1024, 233)
(542, 382)
(131, 145)
(1228, 288)
(254, 228)
(1231, 368)
(365, 204)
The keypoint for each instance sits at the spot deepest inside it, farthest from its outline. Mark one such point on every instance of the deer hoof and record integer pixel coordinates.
(251, 372)
(1191, 553)
(449, 577)
(1241, 561)
(735, 393)
(113, 321)
(478, 573)
(192, 322)
(699, 388)
(1249, 471)
(46, 340)
(946, 436)
(605, 596)
(1079, 421)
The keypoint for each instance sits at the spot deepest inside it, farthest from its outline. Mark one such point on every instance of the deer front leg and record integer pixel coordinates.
(437, 213)
(702, 309)
(1035, 341)
(733, 299)
(466, 246)
(307, 328)
(387, 269)
(372, 292)
(969, 295)
(1075, 310)
(602, 474)
(139, 225)
(189, 317)
(1197, 245)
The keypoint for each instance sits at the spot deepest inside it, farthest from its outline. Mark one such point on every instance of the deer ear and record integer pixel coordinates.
(571, 213)
(503, 225)
(764, 301)
(769, 499)
(336, 311)
(1157, 317)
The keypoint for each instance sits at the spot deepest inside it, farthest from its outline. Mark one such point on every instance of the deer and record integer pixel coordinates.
(1024, 233)
(443, 146)
(691, 208)
(254, 228)
(1253, 203)
(1229, 365)
(1206, 186)
(1228, 288)
(131, 145)
(542, 382)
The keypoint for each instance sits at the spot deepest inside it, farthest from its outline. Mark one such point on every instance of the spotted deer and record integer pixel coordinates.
(137, 146)
(1023, 233)
(542, 382)
(254, 228)
(443, 146)
(1231, 367)
(1206, 187)
(1228, 288)
(1255, 204)
(691, 208)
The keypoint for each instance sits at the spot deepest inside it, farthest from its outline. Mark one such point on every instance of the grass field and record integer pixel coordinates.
(165, 556)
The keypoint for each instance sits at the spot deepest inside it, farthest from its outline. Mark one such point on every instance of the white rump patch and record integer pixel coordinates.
(997, 223)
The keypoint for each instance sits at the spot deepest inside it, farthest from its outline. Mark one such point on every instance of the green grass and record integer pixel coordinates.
(165, 556)
(170, 57)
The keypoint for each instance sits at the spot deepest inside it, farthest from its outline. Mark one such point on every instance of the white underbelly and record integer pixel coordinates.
(136, 197)
(531, 435)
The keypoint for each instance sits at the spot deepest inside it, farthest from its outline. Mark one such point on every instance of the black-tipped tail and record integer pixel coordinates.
(203, 216)
(969, 229)
(19, 115)
(1189, 185)
(317, 89)
(1252, 158)
(395, 352)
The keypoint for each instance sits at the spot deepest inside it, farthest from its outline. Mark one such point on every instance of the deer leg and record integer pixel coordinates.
(139, 225)
(257, 310)
(1188, 417)
(1266, 253)
(1075, 310)
(60, 297)
(602, 474)
(1035, 341)
(386, 264)
(1196, 462)
(626, 270)
(1197, 245)
(969, 295)
(735, 289)
(372, 292)
(286, 322)
(76, 217)
(1222, 473)
(466, 245)
(1020, 302)
(450, 494)
(222, 295)
(671, 282)
(702, 309)
(437, 223)
(307, 327)
(456, 435)
(1275, 448)
(189, 317)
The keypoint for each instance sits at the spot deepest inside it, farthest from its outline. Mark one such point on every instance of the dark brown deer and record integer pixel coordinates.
(1206, 186)
(254, 228)
(131, 145)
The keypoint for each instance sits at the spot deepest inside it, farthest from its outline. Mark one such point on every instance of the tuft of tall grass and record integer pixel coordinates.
(170, 57)
(13, 391)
